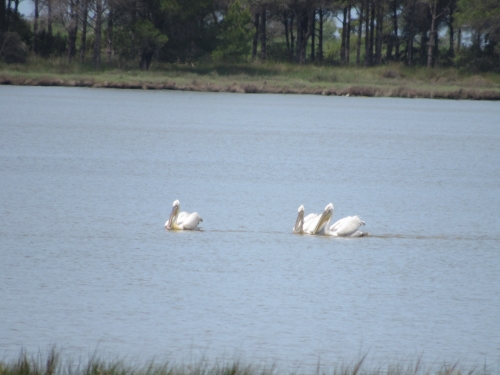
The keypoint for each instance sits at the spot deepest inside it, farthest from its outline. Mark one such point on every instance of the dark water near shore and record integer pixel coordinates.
(88, 177)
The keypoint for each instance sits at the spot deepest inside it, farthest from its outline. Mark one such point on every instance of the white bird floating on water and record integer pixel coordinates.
(182, 220)
(319, 224)
(347, 227)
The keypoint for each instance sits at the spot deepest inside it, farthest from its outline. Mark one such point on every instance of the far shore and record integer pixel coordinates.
(383, 81)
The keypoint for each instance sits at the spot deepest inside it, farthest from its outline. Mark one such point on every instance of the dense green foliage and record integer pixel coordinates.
(460, 33)
(235, 36)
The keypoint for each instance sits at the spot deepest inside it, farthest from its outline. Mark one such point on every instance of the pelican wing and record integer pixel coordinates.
(338, 224)
(310, 217)
(189, 221)
(182, 217)
(310, 222)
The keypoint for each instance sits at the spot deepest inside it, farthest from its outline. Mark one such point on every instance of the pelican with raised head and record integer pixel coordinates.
(182, 220)
(299, 223)
(313, 223)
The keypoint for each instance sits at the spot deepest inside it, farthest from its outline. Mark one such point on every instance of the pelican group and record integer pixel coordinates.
(320, 224)
(313, 223)
(182, 220)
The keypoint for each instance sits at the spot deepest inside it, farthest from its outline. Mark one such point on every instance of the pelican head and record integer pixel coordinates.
(324, 219)
(173, 214)
(300, 220)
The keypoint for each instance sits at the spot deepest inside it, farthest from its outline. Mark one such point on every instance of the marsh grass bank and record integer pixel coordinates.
(380, 81)
(53, 364)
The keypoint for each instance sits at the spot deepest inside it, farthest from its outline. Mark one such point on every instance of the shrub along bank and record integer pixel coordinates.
(395, 80)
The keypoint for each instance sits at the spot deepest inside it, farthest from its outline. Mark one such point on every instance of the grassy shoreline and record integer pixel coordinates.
(53, 364)
(382, 81)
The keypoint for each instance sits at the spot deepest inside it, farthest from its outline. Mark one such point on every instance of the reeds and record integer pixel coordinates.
(51, 364)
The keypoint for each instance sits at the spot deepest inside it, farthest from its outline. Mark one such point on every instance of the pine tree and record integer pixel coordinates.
(234, 42)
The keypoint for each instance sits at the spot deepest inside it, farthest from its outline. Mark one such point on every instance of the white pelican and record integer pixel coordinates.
(182, 220)
(313, 223)
(346, 227)
(299, 223)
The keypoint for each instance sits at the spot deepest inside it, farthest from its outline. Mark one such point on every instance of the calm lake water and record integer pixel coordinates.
(88, 177)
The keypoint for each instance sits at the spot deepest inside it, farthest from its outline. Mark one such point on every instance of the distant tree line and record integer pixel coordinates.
(464, 33)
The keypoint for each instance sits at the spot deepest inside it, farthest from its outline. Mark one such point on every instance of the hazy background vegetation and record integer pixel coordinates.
(464, 34)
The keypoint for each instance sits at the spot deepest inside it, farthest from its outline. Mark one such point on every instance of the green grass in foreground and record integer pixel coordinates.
(387, 80)
(51, 364)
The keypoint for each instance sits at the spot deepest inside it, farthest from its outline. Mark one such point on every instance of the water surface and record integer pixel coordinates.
(89, 176)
